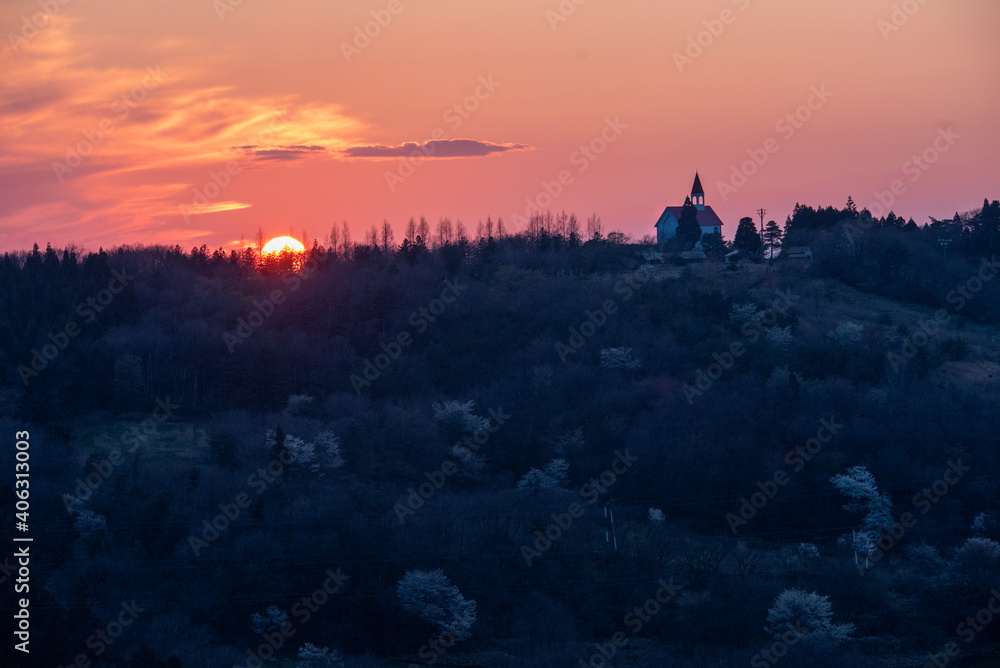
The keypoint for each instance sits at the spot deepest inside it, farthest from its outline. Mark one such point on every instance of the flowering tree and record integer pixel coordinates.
(268, 620)
(859, 484)
(555, 475)
(847, 334)
(459, 415)
(618, 358)
(328, 450)
(311, 656)
(809, 614)
(745, 314)
(431, 597)
(976, 562)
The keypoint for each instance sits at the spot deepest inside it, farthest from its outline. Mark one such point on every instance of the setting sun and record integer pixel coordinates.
(279, 244)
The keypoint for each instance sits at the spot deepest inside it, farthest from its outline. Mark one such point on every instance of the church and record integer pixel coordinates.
(708, 220)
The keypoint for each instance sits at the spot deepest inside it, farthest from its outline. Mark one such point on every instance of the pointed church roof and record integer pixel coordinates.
(696, 189)
(706, 217)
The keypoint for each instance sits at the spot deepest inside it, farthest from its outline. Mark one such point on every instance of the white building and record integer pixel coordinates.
(708, 220)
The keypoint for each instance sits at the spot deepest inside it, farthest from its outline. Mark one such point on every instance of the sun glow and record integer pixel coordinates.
(280, 244)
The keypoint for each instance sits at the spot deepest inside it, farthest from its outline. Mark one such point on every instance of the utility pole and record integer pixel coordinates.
(761, 213)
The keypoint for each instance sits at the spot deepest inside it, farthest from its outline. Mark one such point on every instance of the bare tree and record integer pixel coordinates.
(387, 236)
(460, 233)
(345, 237)
(334, 239)
(444, 231)
(411, 230)
(573, 229)
(594, 227)
(424, 230)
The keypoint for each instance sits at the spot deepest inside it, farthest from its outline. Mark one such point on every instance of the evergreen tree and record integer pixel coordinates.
(772, 239)
(713, 245)
(688, 231)
(747, 238)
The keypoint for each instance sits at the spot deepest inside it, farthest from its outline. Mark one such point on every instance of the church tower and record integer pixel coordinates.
(698, 193)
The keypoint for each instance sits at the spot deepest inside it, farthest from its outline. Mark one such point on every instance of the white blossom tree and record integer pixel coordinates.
(300, 451)
(745, 314)
(808, 612)
(618, 358)
(311, 656)
(859, 484)
(268, 620)
(328, 450)
(470, 464)
(779, 337)
(976, 562)
(431, 597)
(458, 415)
(89, 523)
(847, 333)
(555, 475)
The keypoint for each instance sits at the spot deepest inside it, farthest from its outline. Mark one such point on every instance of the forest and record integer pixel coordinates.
(513, 448)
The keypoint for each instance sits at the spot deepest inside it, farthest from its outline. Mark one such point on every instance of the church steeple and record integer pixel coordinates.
(698, 193)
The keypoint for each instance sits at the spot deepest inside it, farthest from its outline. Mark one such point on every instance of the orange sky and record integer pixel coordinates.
(162, 96)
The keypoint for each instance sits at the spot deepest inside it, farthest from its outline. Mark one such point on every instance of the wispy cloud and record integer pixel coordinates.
(282, 153)
(445, 148)
(92, 150)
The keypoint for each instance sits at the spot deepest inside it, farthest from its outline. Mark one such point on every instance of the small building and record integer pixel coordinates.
(798, 253)
(652, 257)
(708, 220)
(692, 256)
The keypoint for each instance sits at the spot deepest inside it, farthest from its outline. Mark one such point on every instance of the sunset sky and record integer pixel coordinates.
(113, 114)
